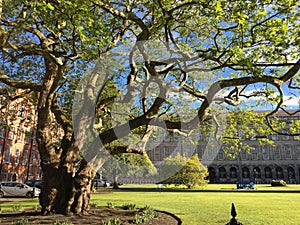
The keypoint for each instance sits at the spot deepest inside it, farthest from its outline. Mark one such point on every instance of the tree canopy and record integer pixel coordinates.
(189, 171)
(144, 65)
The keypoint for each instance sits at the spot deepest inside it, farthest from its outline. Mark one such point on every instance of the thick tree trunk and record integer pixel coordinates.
(64, 192)
(66, 187)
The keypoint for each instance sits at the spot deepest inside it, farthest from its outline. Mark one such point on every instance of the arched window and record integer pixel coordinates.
(233, 173)
(256, 172)
(222, 172)
(211, 174)
(268, 172)
(246, 172)
(291, 173)
(279, 173)
(14, 177)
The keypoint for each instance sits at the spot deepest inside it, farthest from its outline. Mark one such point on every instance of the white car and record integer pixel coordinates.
(11, 188)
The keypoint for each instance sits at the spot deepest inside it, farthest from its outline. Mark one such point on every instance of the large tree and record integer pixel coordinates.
(208, 55)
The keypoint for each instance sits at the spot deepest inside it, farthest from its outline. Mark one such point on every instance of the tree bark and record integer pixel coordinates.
(66, 188)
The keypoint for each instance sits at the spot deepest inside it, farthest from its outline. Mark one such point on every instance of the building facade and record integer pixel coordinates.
(262, 165)
(19, 157)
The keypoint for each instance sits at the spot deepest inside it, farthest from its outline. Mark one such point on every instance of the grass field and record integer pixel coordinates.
(213, 208)
(205, 208)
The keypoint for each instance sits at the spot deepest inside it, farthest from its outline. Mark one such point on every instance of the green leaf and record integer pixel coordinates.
(51, 7)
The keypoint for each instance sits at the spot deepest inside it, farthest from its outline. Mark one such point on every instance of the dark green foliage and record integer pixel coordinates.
(191, 172)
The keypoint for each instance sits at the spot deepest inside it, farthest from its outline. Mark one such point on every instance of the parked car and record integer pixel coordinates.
(100, 183)
(34, 183)
(11, 188)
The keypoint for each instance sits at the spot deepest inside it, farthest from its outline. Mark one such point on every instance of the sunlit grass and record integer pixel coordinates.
(203, 208)
(212, 208)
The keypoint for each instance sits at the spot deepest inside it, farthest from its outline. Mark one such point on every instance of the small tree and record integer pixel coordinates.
(192, 174)
(128, 165)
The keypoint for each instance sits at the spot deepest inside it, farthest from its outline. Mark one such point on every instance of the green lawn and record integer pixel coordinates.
(259, 187)
(212, 208)
(205, 208)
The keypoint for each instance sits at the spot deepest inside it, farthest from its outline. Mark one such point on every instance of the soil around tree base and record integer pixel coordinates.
(96, 216)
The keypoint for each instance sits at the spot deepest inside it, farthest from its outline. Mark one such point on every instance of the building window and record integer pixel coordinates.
(34, 139)
(22, 110)
(233, 172)
(285, 137)
(17, 158)
(243, 154)
(28, 117)
(297, 152)
(157, 154)
(268, 172)
(19, 138)
(288, 151)
(23, 177)
(13, 110)
(167, 137)
(254, 153)
(256, 173)
(4, 175)
(27, 140)
(274, 137)
(7, 154)
(222, 172)
(265, 152)
(38, 160)
(246, 172)
(279, 173)
(291, 173)
(1, 132)
(32, 156)
(167, 150)
(210, 155)
(25, 156)
(276, 150)
(211, 174)
(11, 133)
(221, 155)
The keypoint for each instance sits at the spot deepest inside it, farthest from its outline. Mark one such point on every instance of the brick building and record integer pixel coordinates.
(19, 157)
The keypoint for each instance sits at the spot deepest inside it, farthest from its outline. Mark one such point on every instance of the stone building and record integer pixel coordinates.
(262, 165)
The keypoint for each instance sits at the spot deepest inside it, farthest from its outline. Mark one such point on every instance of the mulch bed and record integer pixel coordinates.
(95, 217)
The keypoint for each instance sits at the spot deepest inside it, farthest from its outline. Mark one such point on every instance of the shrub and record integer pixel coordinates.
(114, 221)
(129, 206)
(93, 205)
(110, 205)
(21, 222)
(144, 215)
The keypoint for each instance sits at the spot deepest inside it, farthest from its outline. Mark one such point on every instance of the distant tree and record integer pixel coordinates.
(192, 174)
(128, 165)
(169, 167)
